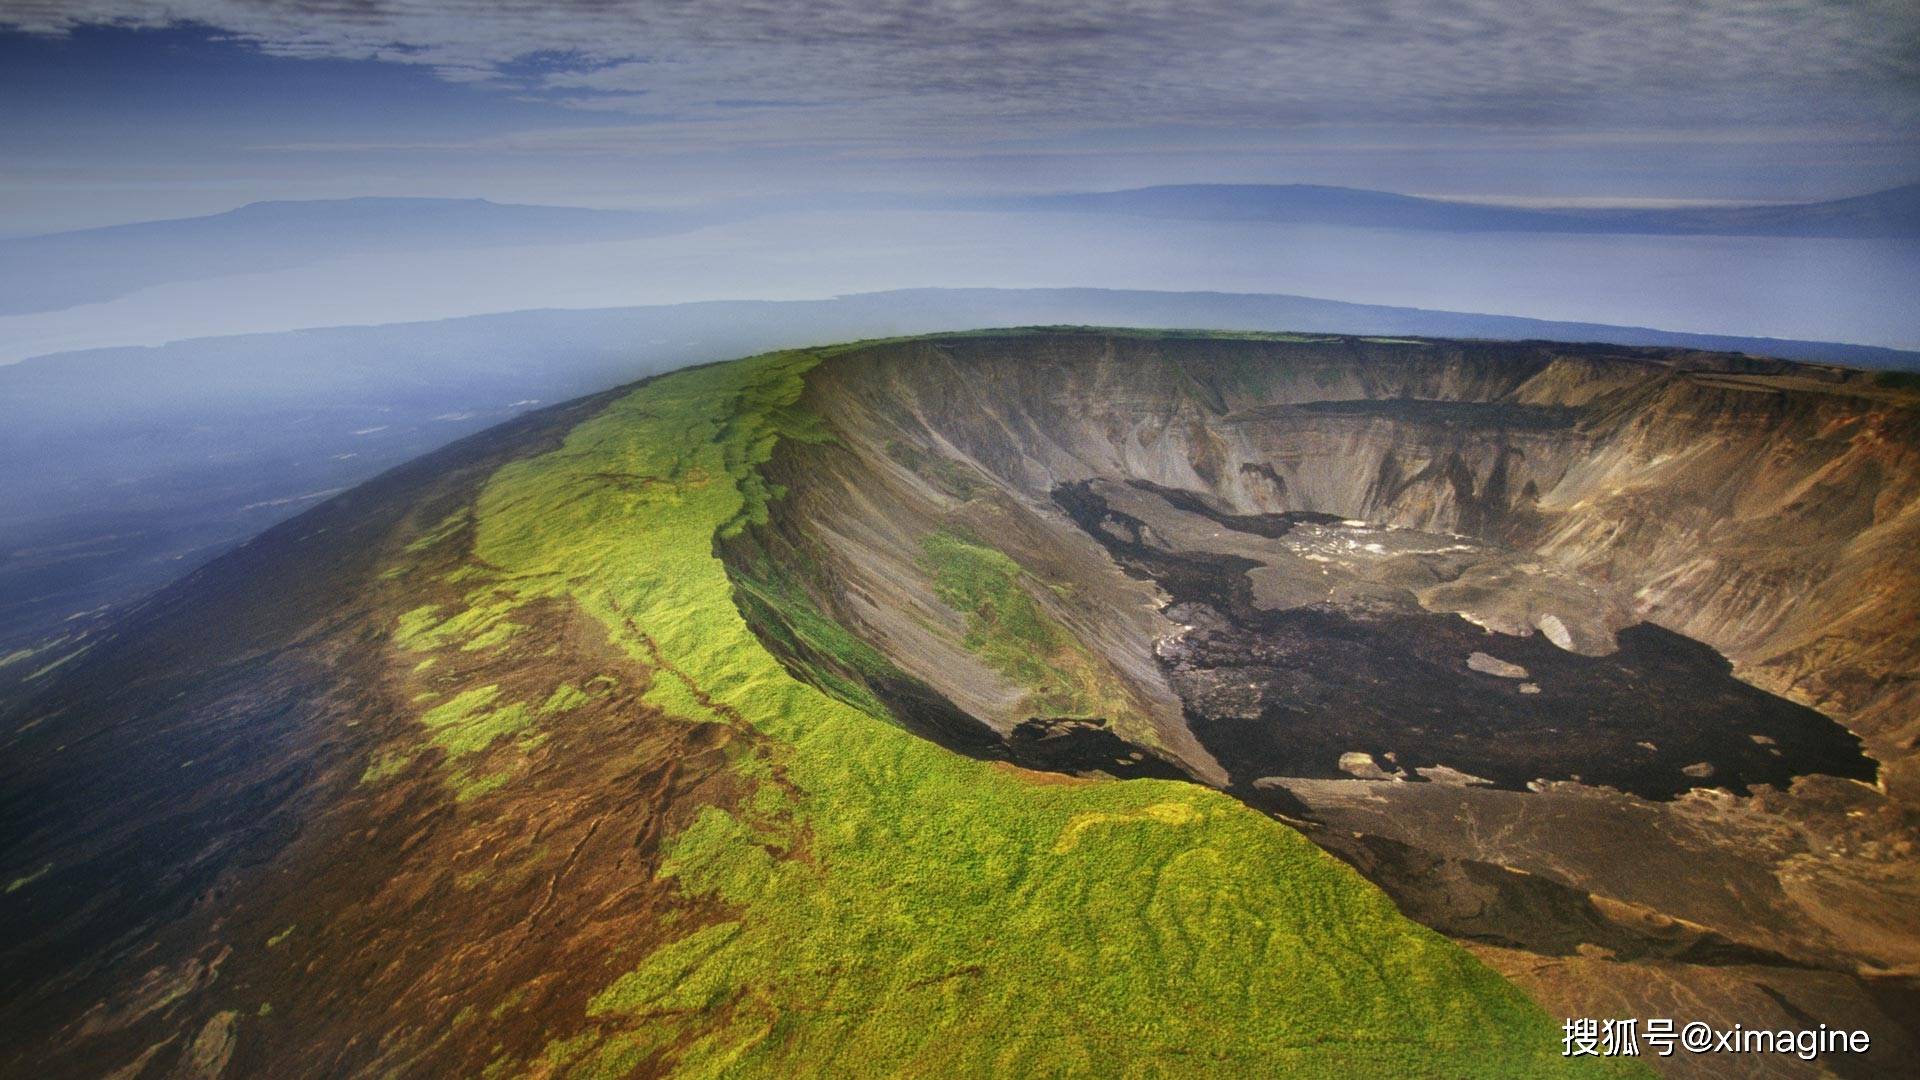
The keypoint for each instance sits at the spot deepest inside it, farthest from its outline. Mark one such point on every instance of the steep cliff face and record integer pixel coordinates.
(1771, 516)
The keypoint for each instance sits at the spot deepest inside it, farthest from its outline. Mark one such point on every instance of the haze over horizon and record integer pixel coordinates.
(822, 148)
(1843, 290)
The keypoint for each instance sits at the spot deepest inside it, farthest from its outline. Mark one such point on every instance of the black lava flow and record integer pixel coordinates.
(1287, 693)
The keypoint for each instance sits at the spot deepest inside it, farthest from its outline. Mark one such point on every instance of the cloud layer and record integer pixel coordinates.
(972, 71)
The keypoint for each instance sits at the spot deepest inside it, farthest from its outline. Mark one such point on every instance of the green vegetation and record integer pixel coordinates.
(469, 723)
(440, 532)
(833, 658)
(482, 625)
(466, 724)
(895, 909)
(1008, 630)
(951, 477)
(416, 629)
(25, 880)
(565, 697)
(386, 764)
(507, 1004)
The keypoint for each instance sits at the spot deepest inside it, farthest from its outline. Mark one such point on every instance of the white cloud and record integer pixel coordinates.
(830, 71)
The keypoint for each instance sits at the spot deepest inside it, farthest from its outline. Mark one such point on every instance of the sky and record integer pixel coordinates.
(120, 110)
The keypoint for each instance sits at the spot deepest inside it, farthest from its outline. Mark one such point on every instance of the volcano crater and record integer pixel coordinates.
(1532, 635)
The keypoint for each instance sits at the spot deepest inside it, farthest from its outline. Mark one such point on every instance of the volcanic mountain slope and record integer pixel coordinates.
(477, 770)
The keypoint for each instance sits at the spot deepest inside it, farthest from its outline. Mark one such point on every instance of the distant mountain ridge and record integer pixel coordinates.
(408, 214)
(56, 270)
(53, 271)
(1890, 214)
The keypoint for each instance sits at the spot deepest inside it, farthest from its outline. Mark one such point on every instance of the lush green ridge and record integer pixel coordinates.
(899, 909)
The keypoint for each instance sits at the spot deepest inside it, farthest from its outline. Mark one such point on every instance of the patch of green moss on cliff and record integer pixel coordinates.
(468, 723)
(565, 697)
(1008, 629)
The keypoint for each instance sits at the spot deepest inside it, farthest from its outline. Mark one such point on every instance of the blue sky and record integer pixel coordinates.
(117, 110)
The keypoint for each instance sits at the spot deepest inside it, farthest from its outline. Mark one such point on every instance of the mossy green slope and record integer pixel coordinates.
(896, 909)
(1011, 633)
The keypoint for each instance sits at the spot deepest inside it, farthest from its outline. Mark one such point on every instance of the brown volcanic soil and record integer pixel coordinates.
(1651, 824)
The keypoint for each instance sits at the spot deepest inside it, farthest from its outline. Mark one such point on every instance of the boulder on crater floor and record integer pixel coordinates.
(1493, 665)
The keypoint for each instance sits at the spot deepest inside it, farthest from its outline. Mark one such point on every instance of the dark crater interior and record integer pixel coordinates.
(1286, 693)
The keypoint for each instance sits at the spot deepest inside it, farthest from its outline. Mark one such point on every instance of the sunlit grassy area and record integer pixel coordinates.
(896, 909)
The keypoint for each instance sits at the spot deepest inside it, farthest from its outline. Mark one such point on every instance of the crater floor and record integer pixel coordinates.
(1304, 650)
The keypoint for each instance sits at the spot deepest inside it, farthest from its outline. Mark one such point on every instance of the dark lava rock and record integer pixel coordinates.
(1285, 693)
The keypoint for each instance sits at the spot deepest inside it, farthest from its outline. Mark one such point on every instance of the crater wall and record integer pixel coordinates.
(1763, 508)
